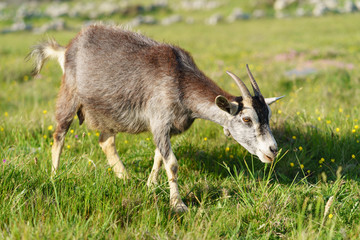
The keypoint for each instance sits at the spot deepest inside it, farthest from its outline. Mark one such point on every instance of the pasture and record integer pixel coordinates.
(312, 191)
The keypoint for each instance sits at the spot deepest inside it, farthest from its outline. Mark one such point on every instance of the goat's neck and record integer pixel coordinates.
(209, 111)
(200, 93)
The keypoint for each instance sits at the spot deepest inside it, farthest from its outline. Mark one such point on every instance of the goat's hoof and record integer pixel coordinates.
(180, 207)
(123, 176)
(151, 183)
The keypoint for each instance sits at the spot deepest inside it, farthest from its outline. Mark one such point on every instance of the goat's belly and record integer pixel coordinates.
(113, 124)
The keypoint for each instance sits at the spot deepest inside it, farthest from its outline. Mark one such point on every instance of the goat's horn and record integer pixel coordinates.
(253, 82)
(244, 90)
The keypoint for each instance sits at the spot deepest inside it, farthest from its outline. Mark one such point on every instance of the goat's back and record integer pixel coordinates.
(127, 82)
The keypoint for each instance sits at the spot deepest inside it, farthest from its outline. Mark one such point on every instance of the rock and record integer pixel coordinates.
(279, 5)
(259, 13)
(199, 4)
(149, 20)
(20, 26)
(57, 10)
(157, 5)
(3, 5)
(214, 19)
(108, 8)
(282, 4)
(281, 15)
(26, 11)
(331, 4)
(82, 9)
(300, 12)
(171, 20)
(17, 26)
(320, 9)
(237, 14)
(349, 7)
(56, 25)
(133, 10)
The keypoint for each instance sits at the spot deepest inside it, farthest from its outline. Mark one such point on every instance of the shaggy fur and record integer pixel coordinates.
(120, 81)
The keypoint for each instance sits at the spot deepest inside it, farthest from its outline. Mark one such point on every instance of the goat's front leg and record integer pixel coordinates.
(171, 167)
(153, 178)
(107, 143)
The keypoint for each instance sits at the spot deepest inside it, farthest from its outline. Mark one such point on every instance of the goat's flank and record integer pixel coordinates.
(120, 81)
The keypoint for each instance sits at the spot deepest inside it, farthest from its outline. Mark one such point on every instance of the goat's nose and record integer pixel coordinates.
(274, 150)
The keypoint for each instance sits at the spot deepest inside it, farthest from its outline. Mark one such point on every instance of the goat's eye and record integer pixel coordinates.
(246, 119)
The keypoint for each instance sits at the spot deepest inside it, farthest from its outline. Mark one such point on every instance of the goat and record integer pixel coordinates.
(121, 81)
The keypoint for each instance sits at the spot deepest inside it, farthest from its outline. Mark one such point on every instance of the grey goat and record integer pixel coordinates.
(121, 81)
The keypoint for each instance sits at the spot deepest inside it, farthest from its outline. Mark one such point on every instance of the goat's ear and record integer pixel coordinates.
(272, 100)
(225, 105)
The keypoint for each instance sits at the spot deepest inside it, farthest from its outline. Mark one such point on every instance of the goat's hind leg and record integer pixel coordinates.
(153, 178)
(107, 143)
(66, 108)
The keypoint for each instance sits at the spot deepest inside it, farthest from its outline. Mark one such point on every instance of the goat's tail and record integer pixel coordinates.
(44, 51)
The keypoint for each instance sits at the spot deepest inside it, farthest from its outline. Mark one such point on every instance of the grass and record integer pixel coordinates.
(230, 194)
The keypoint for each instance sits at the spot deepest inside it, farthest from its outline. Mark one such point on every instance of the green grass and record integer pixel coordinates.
(230, 194)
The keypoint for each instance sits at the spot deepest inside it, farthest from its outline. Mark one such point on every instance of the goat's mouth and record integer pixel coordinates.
(265, 158)
(268, 158)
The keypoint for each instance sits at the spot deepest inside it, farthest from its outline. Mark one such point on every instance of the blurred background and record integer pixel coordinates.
(41, 16)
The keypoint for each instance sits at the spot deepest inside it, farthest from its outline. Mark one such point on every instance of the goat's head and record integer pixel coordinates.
(249, 118)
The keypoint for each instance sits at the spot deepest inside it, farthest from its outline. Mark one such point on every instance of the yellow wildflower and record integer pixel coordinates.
(50, 127)
(227, 149)
(331, 216)
(89, 134)
(332, 160)
(319, 118)
(45, 137)
(297, 113)
(300, 148)
(291, 164)
(353, 156)
(328, 121)
(1, 129)
(205, 138)
(337, 129)
(231, 156)
(340, 110)
(356, 126)
(279, 111)
(68, 146)
(6, 114)
(301, 166)
(353, 131)
(294, 137)
(44, 112)
(126, 142)
(97, 134)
